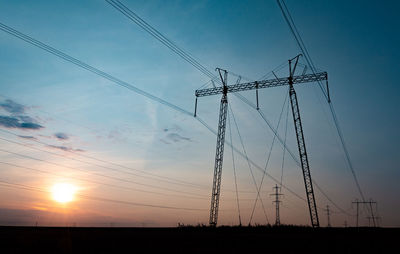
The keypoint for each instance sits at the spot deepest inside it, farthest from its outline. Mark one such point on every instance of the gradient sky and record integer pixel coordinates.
(77, 114)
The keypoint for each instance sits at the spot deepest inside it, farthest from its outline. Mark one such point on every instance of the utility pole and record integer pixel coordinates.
(277, 201)
(224, 90)
(370, 202)
(328, 214)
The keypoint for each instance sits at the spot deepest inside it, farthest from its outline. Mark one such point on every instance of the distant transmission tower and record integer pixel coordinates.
(328, 214)
(370, 202)
(277, 201)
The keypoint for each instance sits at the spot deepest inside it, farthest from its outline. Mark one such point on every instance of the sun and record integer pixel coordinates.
(63, 192)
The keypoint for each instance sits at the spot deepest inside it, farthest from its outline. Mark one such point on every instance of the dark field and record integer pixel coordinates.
(199, 240)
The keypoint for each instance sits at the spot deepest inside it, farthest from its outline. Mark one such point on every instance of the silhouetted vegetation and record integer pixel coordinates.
(198, 238)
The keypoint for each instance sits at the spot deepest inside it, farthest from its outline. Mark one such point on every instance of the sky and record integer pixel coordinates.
(135, 162)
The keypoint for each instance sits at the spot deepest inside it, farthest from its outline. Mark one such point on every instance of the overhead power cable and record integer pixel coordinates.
(86, 171)
(89, 163)
(234, 169)
(97, 182)
(268, 157)
(283, 143)
(36, 189)
(249, 164)
(101, 175)
(284, 147)
(79, 63)
(92, 69)
(160, 37)
(171, 45)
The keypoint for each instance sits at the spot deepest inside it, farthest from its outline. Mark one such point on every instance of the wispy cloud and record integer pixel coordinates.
(12, 107)
(27, 137)
(17, 119)
(61, 135)
(172, 135)
(16, 123)
(175, 137)
(66, 148)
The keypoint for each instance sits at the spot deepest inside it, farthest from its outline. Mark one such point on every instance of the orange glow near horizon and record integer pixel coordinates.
(63, 192)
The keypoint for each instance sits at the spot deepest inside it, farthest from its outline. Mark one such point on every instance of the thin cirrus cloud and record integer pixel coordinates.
(172, 136)
(12, 107)
(61, 136)
(17, 119)
(175, 137)
(66, 148)
(27, 137)
(16, 123)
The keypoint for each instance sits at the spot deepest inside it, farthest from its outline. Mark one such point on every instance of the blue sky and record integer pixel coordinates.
(355, 42)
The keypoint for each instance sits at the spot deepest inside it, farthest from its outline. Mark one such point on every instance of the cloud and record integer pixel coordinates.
(61, 135)
(172, 135)
(9, 122)
(66, 148)
(175, 137)
(12, 107)
(33, 126)
(26, 119)
(17, 119)
(27, 137)
(14, 122)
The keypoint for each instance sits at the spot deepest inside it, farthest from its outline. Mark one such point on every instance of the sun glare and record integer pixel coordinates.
(63, 192)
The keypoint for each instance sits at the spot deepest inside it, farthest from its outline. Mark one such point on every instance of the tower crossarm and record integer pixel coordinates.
(320, 76)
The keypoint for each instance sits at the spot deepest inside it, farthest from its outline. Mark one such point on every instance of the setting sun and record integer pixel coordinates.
(63, 192)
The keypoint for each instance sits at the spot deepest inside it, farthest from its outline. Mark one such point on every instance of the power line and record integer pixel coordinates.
(234, 169)
(251, 161)
(160, 37)
(93, 164)
(95, 182)
(87, 172)
(99, 174)
(109, 77)
(283, 143)
(86, 162)
(248, 163)
(284, 147)
(31, 188)
(268, 158)
(92, 69)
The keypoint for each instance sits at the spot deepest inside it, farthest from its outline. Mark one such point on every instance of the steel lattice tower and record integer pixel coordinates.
(224, 90)
(277, 194)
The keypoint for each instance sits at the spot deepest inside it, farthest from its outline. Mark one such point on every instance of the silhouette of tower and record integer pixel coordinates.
(277, 201)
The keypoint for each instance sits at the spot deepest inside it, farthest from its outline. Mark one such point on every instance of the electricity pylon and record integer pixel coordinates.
(224, 90)
(328, 215)
(370, 202)
(277, 202)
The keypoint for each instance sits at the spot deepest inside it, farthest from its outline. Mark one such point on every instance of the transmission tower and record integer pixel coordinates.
(219, 154)
(328, 215)
(277, 201)
(224, 90)
(370, 202)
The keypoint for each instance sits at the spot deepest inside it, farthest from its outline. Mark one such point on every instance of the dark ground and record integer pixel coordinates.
(199, 240)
